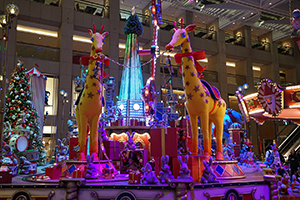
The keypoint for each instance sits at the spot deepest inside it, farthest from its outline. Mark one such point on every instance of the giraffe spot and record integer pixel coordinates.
(196, 89)
(90, 95)
(86, 86)
(187, 67)
(187, 83)
(206, 101)
(94, 84)
(201, 95)
(192, 74)
(91, 76)
(190, 96)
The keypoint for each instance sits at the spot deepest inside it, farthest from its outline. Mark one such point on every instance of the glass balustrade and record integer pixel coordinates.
(37, 52)
(144, 19)
(91, 8)
(210, 76)
(285, 50)
(235, 40)
(234, 79)
(260, 45)
(204, 33)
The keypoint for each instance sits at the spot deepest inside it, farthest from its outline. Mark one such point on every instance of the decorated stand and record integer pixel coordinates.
(271, 102)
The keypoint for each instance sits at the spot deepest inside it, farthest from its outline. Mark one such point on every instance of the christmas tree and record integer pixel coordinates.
(19, 110)
(132, 78)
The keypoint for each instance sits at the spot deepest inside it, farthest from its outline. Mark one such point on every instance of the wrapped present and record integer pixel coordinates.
(54, 172)
(133, 122)
(73, 148)
(41, 178)
(79, 173)
(120, 122)
(5, 177)
(134, 177)
(32, 171)
(113, 149)
(166, 142)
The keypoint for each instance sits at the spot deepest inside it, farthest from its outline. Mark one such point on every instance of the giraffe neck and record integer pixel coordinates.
(91, 83)
(191, 80)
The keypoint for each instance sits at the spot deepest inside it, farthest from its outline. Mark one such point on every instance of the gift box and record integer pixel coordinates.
(116, 163)
(166, 142)
(5, 177)
(113, 149)
(32, 171)
(134, 177)
(120, 122)
(133, 122)
(79, 173)
(54, 172)
(73, 152)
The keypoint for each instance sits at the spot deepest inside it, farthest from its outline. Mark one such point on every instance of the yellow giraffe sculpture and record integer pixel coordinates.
(199, 101)
(89, 106)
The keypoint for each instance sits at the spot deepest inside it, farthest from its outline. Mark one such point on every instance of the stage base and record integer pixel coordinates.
(227, 169)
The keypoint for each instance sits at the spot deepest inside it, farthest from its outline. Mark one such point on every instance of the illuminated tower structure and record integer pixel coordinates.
(130, 102)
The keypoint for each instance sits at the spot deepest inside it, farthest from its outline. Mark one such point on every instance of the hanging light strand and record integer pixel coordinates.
(156, 57)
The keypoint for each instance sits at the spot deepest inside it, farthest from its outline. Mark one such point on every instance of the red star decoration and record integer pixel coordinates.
(187, 83)
(196, 89)
(190, 96)
(90, 95)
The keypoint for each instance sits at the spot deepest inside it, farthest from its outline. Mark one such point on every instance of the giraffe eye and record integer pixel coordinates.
(172, 36)
(92, 39)
(103, 40)
(183, 34)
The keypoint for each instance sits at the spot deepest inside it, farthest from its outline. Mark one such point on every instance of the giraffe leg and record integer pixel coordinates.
(94, 136)
(194, 127)
(205, 132)
(218, 119)
(82, 132)
(209, 134)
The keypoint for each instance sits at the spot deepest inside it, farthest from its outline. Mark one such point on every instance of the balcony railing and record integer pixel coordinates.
(144, 19)
(167, 25)
(233, 39)
(210, 76)
(285, 50)
(91, 8)
(51, 3)
(259, 45)
(205, 33)
(234, 79)
(37, 52)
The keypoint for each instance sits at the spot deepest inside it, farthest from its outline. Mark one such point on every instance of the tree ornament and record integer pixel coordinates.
(8, 100)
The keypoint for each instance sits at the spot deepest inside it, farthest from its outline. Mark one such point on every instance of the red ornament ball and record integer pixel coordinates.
(8, 100)
(22, 68)
(29, 124)
(11, 108)
(25, 108)
(19, 114)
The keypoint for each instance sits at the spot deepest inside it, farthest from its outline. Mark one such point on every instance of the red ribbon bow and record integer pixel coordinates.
(197, 55)
(84, 60)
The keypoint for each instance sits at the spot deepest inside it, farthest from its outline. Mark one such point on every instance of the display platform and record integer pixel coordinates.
(254, 186)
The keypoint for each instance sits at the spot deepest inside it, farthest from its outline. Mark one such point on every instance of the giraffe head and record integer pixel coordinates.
(180, 35)
(97, 39)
